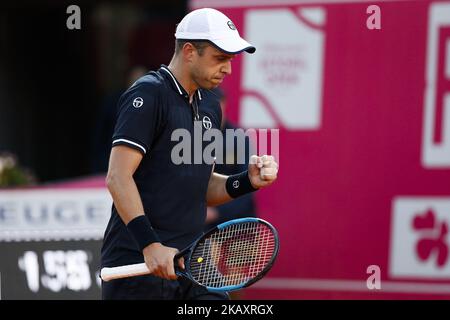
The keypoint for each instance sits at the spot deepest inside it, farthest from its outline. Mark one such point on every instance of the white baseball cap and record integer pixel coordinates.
(215, 27)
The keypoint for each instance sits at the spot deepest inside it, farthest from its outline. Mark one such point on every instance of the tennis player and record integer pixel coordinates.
(159, 206)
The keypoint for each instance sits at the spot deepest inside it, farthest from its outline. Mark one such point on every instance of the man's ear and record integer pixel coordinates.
(188, 51)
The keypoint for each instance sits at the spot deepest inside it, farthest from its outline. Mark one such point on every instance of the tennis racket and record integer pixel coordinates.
(229, 257)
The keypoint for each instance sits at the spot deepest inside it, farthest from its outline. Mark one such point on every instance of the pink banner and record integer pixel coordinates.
(362, 202)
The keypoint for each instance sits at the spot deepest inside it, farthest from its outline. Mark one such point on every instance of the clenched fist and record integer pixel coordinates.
(262, 171)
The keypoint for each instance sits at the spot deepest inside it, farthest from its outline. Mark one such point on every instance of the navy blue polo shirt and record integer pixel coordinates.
(173, 195)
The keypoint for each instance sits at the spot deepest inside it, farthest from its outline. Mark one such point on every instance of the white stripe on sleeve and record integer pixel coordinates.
(132, 143)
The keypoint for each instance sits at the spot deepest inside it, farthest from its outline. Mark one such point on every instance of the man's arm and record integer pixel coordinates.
(122, 165)
(217, 193)
(262, 172)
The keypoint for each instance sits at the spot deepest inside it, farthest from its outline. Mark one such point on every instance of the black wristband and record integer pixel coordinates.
(142, 232)
(239, 184)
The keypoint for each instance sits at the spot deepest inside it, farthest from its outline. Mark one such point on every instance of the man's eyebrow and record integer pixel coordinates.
(223, 55)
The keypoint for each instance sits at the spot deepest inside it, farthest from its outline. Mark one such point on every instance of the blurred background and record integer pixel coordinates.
(357, 96)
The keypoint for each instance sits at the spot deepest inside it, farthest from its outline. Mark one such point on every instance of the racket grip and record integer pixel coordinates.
(130, 270)
(133, 270)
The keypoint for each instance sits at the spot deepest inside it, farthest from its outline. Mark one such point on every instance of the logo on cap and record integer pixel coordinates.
(231, 25)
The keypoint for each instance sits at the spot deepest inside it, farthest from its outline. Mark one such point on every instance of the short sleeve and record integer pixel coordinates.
(139, 117)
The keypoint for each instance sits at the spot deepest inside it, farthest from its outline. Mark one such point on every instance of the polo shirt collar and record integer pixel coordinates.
(175, 84)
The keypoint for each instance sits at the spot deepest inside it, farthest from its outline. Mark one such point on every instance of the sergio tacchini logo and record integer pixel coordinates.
(138, 102)
(207, 124)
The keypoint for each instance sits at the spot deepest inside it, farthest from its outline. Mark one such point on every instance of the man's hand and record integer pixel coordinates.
(159, 260)
(262, 171)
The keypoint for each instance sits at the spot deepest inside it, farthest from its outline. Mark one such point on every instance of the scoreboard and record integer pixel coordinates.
(50, 270)
(50, 241)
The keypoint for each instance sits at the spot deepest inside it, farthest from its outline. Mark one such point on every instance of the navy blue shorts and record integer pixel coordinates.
(154, 288)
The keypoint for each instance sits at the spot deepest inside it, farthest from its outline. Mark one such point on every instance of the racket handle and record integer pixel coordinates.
(130, 270)
(138, 269)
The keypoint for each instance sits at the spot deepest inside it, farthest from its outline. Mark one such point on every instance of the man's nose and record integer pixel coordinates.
(227, 68)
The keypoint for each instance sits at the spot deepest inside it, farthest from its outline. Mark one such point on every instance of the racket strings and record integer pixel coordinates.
(249, 263)
(233, 255)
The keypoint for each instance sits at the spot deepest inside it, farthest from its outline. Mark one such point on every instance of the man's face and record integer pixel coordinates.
(209, 69)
